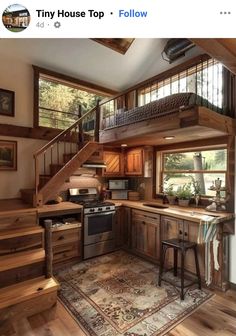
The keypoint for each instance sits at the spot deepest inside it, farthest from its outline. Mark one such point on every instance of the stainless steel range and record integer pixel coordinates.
(99, 237)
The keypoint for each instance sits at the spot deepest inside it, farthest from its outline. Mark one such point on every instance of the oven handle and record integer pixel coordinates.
(100, 214)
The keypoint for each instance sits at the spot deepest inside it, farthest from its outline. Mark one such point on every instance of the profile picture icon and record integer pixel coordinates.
(16, 18)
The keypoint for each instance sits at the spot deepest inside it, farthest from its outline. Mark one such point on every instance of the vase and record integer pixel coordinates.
(171, 199)
(197, 199)
(183, 202)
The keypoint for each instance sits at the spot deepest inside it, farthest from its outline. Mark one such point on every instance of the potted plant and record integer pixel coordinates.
(196, 190)
(170, 194)
(184, 194)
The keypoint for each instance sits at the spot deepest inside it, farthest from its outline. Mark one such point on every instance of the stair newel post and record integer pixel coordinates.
(48, 247)
(97, 121)
(80, 129)
(36, 167)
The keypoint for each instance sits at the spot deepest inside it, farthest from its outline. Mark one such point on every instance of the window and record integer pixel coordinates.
(205, 79)
(199, 166)
(57, 99)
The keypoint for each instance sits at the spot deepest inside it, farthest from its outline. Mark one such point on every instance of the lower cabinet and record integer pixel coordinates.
(145, 233)
(66, 243)
(122, 227)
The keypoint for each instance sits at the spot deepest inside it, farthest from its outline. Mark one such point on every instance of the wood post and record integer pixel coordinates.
(48, 247)
(80, 129)
(97, 122)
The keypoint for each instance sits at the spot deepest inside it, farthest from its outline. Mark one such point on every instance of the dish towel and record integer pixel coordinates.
(206, 234)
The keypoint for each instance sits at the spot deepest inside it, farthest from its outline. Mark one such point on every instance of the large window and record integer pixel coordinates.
(58, 97)
(205, 79)
(199, 167)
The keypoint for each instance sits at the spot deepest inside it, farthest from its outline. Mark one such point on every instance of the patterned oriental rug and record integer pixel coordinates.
(117, 294)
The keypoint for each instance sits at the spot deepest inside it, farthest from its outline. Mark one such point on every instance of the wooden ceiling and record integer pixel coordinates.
(121, 45)
(223, 50)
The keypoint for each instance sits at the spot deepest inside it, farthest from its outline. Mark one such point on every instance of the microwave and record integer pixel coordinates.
(118, 184)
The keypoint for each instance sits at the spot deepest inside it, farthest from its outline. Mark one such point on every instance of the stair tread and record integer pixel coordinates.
(26, 290)
(19, 259)
(5, 234)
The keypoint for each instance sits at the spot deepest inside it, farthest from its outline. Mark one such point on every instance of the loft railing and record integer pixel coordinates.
(62, 147)
(202, 75)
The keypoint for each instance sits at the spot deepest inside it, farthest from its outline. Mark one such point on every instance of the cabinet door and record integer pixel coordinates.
(114, 164)
(122, 227)
(134, 162)
(146, 233)
(170, 228)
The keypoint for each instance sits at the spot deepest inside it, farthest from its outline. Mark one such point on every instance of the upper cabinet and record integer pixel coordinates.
(114, 163)
(134, 162)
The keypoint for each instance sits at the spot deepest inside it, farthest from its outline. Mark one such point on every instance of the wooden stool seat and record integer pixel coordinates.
(182, 246)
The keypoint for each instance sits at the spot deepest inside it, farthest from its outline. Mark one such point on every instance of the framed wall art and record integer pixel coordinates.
(8, 155)
(7, 103)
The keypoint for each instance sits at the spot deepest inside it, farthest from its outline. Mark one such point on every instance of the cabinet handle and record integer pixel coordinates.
(180, 232)
(185, 233)
(143, 222)
(61, 238)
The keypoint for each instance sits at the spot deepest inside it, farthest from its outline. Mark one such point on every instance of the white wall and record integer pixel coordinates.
(17, 76)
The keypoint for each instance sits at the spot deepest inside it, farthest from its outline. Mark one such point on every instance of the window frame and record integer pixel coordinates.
(64, 80)
(159, 164)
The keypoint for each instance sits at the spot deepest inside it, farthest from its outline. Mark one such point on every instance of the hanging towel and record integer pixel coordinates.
(206, 234)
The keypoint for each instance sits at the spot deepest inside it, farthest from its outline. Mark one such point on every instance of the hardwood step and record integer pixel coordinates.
(26, 290)
(43, 179)
(20, 259)
(26, 299)
(7, 234)
(67, 157)
(54, 168)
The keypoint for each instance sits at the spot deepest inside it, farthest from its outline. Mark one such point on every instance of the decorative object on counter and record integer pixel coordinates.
(196, 190)
(117, 294)
(133, 196)
(170, 194)
(218, 202)
(8, 155)
(184, 194)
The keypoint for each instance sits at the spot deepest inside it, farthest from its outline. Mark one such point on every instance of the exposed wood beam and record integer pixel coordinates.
(223, 50)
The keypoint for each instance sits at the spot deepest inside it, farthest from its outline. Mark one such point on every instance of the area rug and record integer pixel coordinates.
(117, 294)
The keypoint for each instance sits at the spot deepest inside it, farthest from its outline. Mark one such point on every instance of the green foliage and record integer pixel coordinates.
(65, 100)
(196, 186)
(169, 190)
(184, 192)
(173, 161)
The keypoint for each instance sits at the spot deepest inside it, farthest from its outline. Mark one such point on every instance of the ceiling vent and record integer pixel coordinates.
(175, 49)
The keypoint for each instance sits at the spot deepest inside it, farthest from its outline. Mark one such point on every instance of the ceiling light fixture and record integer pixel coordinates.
(169, 137)
(123, 145)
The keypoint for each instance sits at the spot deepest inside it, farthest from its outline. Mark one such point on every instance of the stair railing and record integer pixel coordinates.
(68, 141)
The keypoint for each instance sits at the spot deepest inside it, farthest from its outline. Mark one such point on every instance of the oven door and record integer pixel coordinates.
(98, 227)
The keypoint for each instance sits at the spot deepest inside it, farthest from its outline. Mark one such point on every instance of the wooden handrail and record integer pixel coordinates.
(63, 133)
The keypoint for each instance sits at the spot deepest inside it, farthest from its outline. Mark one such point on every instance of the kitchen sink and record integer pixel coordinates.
(156, 206)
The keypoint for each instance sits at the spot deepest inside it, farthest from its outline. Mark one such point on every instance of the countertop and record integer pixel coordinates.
(63, 207)
(188, 213)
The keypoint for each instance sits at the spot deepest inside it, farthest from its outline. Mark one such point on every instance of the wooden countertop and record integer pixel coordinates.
(188, 213)
(60, 207)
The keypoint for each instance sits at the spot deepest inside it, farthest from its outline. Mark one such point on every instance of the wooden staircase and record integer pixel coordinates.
(25, 286)
(60, 158)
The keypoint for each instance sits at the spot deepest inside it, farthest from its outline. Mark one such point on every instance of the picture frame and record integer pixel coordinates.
(8, 155)
(7, 103)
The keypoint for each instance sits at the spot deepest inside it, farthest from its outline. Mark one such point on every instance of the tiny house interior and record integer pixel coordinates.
(117, 198)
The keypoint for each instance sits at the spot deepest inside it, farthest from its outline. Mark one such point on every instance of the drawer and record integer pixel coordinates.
(65, 236)
(19, 220)
(21, 243)
(19, 274)
(144, 216)
(64, 252)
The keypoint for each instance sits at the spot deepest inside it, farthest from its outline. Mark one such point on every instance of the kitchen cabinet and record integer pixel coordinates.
(145, 233)
(134, 162)
(114, 163)
(122, 227)
(66, 242)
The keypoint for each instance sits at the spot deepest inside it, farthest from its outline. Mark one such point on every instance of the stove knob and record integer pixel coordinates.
(108, 208)
(100, 209)
(91, 210)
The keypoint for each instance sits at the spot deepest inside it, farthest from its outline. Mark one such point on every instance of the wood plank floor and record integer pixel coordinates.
(217, 317)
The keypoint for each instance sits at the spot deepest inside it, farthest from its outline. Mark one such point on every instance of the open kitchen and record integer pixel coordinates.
(120, 219)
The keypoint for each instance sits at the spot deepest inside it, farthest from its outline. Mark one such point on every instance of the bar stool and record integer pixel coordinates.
(182, 246)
